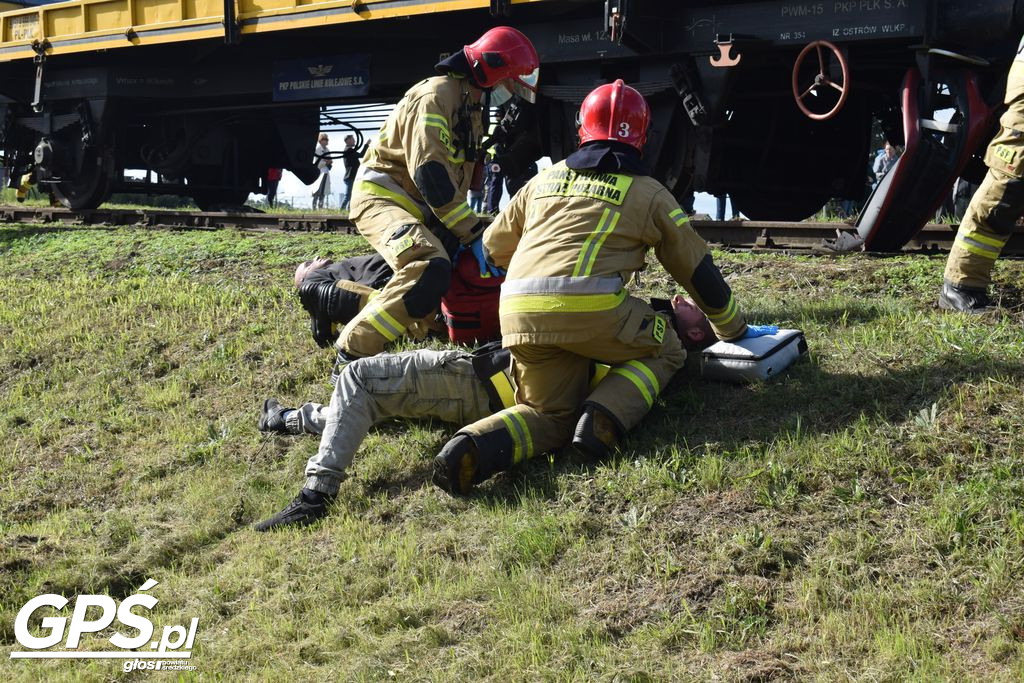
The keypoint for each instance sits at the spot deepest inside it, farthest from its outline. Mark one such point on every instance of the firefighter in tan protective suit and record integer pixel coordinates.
(994, 209)
(417, 173)
(571, 239)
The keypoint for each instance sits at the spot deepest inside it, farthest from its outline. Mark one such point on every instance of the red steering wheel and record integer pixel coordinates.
(821, 80)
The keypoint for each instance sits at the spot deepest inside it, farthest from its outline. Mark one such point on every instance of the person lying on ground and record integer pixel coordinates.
(454, 386)
(334, 293)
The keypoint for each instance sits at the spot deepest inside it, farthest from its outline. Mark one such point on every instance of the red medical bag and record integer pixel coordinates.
(470, 308)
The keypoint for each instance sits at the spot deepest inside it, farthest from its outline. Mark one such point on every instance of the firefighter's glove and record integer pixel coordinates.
(759, 331)
(486, 269)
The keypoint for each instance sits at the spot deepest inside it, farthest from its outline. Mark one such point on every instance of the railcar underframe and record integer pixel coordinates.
(207, 117)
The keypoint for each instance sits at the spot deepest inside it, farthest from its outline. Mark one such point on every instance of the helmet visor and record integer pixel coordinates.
(524, 86)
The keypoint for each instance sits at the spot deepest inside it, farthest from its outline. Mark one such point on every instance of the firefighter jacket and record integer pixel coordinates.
(419, 160)
(1014, 116)
(571, 240)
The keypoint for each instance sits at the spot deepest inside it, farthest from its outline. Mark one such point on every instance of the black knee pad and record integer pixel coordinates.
(709, 283)
(434, 184)
(425, 296)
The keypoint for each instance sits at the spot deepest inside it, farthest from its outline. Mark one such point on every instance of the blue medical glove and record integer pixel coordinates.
(486, 269)
(759, 331)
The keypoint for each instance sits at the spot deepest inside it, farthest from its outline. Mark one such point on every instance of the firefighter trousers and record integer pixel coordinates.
(413, 384)
(991, 215)
(553, 385)
(408, 303)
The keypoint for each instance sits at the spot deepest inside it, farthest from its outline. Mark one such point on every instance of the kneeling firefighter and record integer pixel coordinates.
(571, 239)
(419, 169)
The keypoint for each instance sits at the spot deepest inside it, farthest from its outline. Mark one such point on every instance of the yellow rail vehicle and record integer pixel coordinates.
(91, 25)
(207, 95)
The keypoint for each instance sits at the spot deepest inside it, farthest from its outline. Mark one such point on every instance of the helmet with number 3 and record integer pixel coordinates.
(504, 57)
(615, 112)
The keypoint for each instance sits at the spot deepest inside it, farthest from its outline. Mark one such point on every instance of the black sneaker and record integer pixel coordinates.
(272, 417)
(305, 508)
(964, 299)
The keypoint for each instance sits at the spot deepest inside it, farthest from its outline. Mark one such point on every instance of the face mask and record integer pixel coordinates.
(500, 95)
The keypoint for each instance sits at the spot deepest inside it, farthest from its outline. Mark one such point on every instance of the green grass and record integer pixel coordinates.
(861, 516)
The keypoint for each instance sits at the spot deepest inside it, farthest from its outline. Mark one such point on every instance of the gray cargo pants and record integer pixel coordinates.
(413, 384)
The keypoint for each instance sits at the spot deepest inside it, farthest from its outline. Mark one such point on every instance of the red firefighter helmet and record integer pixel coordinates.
(504, 56)
(615, 111)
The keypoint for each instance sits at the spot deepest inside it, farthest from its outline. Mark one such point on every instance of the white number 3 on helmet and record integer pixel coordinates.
(623, 130)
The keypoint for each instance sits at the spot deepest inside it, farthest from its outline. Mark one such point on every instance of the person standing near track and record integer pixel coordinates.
(417, 171)
(322, 159)
(351, 156)
(994, 210)
(571, 239)
(273, 180)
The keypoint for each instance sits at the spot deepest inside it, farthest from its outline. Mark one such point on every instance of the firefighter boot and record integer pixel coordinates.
(963, 299)
(456, 466)
(272, 417)
(596, 433)
(305, 508)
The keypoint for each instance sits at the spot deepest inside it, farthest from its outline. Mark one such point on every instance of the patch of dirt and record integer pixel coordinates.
(621, 609)
(713, 509)
(622, 600)
(18, 564)
(755, 666)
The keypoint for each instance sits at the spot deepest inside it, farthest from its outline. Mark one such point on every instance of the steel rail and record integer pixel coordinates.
(768, 235)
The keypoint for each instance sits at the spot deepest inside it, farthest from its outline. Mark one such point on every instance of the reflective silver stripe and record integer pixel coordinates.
(388, 183)
(642, 378)
(678, 216)
(976, 247)
(384, 323)
(562, 285)
(517, 429)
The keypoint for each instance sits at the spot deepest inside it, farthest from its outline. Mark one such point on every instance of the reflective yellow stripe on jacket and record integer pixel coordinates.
(457, 214)
(678, 216)
(593, 243)
(445, 134)
(720, 320)
(560, 303)
(384, 322)
(397, 197)
(561, 295)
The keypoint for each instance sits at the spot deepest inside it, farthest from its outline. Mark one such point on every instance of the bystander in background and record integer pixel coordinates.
(323, 161)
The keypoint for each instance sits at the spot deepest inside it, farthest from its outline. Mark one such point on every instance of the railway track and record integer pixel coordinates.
(804, 236)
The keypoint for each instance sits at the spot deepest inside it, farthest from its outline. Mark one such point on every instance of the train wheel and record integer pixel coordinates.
(784, 166)
(219, 200)
(217, 197)
(91, 187)
(759, 205)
